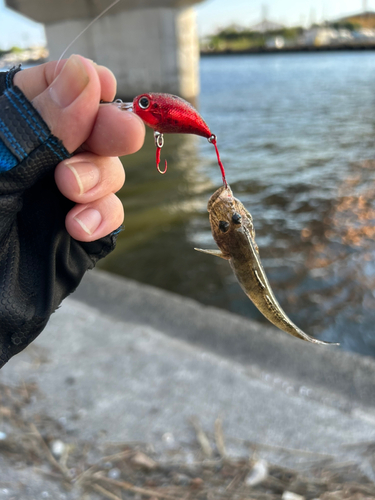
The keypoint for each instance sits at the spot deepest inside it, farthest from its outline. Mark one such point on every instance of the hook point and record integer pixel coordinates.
(165, 168)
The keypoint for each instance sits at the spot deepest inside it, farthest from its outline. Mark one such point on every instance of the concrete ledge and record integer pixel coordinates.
(341, 378)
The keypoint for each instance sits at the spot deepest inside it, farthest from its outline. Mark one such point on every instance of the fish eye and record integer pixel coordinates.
(223, 226)
(144, 102)
(236, 218)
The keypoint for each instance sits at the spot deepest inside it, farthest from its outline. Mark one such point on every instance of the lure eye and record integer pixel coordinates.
(223, 226)
(236, 218)
(144, 102)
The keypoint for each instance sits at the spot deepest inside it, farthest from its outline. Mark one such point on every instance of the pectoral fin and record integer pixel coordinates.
(216, 253)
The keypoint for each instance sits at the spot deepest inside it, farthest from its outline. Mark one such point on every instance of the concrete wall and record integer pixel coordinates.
(153, 49)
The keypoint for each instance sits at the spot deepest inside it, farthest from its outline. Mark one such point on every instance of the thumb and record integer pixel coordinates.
(70, 104)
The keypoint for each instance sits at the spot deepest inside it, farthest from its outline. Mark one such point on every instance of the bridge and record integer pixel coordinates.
(150, 45)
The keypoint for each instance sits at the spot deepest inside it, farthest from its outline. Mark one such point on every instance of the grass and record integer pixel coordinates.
(119, 471)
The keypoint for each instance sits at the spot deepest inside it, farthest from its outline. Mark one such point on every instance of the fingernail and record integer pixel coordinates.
(89, 220)
(70, 82)
(87, 175)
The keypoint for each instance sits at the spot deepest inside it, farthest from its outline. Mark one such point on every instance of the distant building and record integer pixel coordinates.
(344, 35)
(364, 34)
(276, 42)
(364, 19)
(316, 37)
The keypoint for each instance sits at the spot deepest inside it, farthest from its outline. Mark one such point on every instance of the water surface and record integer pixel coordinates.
(296, 133)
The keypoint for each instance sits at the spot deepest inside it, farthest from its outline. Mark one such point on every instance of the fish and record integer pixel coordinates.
(233, 231)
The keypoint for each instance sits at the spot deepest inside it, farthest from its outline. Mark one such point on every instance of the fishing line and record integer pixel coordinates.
(83, 31)
(213, 140)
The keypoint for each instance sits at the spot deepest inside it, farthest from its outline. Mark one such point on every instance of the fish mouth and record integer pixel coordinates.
(223, 193)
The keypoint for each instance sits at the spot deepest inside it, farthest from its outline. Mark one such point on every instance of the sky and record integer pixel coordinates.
(16, 30)
(213, 14)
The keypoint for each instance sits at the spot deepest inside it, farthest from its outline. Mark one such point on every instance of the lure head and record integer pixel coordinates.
(170, 114)
(228, 217)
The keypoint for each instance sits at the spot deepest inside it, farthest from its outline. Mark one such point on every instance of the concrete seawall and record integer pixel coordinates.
(125, 362)
(324, 368)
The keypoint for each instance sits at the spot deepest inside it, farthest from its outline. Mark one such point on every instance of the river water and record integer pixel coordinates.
(296, 133)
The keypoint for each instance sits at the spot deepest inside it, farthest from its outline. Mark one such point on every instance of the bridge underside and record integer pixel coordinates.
(147, 48)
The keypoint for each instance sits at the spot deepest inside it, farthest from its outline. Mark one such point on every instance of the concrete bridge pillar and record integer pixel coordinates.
(150, 48)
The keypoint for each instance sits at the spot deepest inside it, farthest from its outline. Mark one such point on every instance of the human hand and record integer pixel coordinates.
(68, 101)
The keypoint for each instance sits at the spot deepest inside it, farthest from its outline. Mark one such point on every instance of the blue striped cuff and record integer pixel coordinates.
(7, 159)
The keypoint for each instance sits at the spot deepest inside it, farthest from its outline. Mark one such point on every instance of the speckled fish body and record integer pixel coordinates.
(233, 230)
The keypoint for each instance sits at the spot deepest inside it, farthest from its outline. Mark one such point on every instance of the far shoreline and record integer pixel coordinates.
(292, 50)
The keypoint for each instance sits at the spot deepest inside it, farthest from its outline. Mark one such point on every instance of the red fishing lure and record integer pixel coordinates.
(170, 114)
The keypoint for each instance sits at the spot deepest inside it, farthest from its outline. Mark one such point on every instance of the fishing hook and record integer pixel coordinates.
(159, 138)
(159, 143)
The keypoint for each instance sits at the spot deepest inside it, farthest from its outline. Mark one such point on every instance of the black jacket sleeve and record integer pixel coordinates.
(40, 264)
